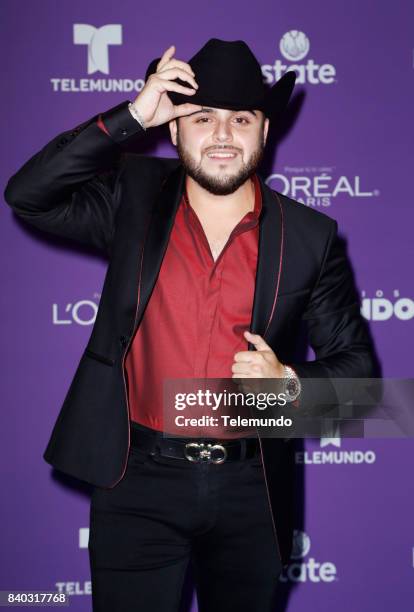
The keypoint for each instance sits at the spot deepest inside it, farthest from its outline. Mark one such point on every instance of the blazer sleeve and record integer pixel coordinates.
(337, 332)
(338, 335)
(70, 188)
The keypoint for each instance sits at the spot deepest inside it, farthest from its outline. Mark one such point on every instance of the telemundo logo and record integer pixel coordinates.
(97, 42)
(328, 456)
(380, 308)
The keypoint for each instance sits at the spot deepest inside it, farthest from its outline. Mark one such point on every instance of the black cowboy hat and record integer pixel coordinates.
(229, 76)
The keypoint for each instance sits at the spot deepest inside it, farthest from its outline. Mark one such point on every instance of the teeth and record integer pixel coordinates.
(221, 155)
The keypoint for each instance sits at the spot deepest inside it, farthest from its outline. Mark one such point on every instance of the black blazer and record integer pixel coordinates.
(85, 186)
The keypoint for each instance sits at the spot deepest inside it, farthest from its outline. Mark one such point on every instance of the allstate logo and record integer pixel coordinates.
(301, 544)
(294, 45)
(306, 570)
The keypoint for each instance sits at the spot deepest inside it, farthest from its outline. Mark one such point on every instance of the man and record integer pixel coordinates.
(210, 274)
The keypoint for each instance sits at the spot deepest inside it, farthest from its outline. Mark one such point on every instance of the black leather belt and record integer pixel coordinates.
(196, 450)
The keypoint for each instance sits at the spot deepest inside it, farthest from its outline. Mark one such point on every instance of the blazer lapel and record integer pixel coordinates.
(269, 261)
(156, 241)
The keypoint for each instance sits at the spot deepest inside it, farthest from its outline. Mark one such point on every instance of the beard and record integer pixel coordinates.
(223, 184)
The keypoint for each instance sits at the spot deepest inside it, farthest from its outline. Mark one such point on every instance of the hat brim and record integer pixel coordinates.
(273, 104)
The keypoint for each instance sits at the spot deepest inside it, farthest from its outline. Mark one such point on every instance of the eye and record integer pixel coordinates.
(243, 121)
(239, 120)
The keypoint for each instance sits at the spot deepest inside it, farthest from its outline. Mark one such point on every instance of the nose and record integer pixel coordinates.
(222, 132)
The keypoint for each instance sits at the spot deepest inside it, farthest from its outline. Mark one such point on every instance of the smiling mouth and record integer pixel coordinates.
(221, 155)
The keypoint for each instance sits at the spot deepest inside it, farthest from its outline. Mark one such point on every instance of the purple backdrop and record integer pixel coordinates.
(349, 153)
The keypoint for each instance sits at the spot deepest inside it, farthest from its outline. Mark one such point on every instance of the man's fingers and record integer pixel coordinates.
(176, 63)
(166, 56)
(174, 73)
(245, 356)
(171, 86)
(168, 61)
(244, 376)
(257, 341)
(186, 109)
(241, 369)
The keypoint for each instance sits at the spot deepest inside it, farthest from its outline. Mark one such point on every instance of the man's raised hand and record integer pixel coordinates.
(153, 103)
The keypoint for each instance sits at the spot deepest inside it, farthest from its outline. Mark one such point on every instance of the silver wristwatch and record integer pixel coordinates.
(292, 386)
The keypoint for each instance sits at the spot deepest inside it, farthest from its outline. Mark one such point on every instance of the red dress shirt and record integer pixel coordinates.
(199, 308)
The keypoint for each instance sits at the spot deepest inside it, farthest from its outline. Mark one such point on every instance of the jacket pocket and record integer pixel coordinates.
(99, 357)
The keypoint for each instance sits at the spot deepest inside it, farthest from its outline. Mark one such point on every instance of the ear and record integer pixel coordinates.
(173, 131)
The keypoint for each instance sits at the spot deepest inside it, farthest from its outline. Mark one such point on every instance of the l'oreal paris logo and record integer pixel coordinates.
(315, 187)
(82, 312)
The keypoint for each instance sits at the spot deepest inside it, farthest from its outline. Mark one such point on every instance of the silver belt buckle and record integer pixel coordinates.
(199, 451)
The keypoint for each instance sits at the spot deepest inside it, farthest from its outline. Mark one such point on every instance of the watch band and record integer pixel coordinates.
(136, 115)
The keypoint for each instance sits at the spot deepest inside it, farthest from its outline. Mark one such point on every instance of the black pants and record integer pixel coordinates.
(166, 512)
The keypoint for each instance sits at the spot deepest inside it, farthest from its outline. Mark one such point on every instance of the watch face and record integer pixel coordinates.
(292, 387)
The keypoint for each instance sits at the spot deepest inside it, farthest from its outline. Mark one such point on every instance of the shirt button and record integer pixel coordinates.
(124, 132)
